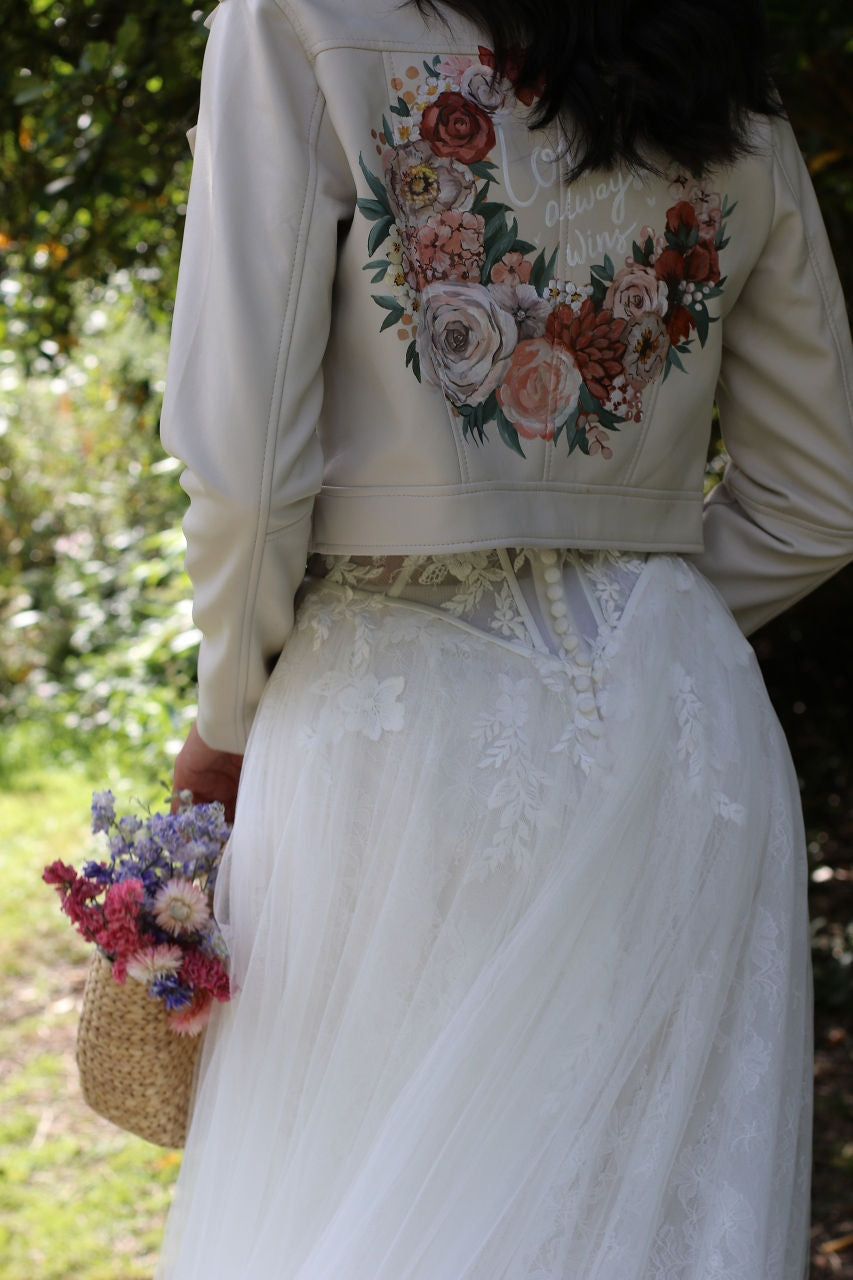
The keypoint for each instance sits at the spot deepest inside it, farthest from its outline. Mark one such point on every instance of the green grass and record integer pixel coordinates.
(79, 1199)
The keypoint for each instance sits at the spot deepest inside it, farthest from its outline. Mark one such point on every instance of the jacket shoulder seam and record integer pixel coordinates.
(304, 39)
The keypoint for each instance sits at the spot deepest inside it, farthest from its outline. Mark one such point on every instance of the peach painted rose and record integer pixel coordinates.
(456, 128)
(540, 388)
(447, 247)
(464, 340)
(634, 291)
(421, 184)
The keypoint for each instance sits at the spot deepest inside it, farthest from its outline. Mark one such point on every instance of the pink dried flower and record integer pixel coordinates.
(205, 973)
(193, 1017)
(122, 936)
(181, 907)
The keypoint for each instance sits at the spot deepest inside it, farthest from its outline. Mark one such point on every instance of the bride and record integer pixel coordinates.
(515, 898)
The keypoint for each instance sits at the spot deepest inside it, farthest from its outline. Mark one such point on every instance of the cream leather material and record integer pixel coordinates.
(303, 428)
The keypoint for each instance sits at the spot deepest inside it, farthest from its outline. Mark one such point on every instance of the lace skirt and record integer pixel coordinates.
(516, 908)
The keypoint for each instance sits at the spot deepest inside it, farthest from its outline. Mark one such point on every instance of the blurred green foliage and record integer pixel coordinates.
(95, 100)
(99, 650)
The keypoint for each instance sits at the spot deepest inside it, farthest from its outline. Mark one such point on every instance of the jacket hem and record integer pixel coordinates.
(378, 521)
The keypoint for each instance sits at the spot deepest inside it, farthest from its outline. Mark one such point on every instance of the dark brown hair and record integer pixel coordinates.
(631, 78)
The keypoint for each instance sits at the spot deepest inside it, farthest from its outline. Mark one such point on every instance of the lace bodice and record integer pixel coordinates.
(563, 602)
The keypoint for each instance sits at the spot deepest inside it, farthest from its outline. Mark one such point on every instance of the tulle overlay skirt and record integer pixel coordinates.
(516, 906)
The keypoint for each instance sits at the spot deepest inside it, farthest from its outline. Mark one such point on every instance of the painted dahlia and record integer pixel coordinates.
(596, 339)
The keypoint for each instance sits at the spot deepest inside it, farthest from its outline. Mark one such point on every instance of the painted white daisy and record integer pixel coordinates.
(181, 907)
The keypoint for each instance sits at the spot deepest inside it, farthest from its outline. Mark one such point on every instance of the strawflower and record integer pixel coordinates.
(181, 907)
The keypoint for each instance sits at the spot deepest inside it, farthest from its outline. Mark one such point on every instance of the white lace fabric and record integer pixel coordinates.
(516, 906)
(555, 601)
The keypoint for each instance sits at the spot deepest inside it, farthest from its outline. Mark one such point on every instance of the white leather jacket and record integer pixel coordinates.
(399, 328)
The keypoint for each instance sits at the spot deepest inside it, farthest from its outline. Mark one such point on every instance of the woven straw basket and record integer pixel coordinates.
(134, 1070)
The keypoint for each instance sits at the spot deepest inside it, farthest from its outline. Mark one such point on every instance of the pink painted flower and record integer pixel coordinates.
(528, 310)
(646, 346)
(635, 291)
(540, 388)
(464, 340)
(154, 961)
(597, 438)
(447, 247)
(454, 66)
(192, 1018)
(421, 184)
(181, 907)
(707, 204)
(513, 269)
(493, 94)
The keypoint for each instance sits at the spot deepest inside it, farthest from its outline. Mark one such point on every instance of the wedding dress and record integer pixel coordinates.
(516, 908)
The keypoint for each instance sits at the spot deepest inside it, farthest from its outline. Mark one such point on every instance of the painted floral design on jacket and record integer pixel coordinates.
(486, 318)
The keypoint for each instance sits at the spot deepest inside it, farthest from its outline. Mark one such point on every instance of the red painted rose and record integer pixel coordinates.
(514, 70)
(702, 263)
(681, 219)
(455, 127)
(669, 266)
(679, 324)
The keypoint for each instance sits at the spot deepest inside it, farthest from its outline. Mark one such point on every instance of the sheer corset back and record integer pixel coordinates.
(562, 602)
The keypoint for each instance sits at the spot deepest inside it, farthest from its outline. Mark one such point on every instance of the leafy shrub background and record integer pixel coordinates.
(98, 657)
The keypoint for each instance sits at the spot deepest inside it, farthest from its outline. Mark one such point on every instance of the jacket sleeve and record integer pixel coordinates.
(244, 381)
(781, 520)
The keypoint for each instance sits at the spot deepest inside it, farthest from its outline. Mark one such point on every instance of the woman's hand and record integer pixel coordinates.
(209, 774)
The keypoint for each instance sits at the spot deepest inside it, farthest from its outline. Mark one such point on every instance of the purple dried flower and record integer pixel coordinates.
(103, 811)
(169, 989)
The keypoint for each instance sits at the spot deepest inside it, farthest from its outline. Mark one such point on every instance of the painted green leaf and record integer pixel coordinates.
(372, 209)
(700, 315)
(401, 108)
(388, 302)
(379, 232)
(376, 186)
(390, 320)
(501, 244)
(508, 433)
(483, 169)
